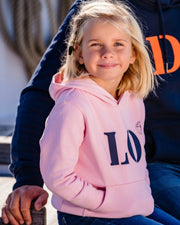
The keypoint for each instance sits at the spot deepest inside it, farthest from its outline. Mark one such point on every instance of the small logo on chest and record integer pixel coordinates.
(139, 127)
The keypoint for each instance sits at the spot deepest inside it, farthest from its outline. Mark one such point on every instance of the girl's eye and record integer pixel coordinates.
(95, 44)
(118, 44)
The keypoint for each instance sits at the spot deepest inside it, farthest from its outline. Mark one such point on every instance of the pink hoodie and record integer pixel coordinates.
(92, 152)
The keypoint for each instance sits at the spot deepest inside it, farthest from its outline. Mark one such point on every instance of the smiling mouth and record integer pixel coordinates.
(108, 66)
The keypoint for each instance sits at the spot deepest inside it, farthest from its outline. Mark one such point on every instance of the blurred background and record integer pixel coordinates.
(26, 29)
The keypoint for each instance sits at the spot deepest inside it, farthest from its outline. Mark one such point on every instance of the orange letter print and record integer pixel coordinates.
(157, 53)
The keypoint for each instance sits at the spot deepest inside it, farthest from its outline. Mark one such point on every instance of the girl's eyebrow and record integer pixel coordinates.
(91, 40)
(94, 40)
(120, 39)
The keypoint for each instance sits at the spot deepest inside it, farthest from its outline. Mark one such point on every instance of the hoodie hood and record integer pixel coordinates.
(85, 84)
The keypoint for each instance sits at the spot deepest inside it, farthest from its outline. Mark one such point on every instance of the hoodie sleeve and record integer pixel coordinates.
(60, 145)
(35, 105)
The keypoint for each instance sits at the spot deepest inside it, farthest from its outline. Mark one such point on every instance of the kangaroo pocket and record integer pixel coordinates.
(125, 200)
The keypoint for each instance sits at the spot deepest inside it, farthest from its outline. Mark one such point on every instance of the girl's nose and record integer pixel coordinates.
(107, 53)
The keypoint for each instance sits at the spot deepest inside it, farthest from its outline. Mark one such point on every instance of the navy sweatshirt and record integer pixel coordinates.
(160, 20)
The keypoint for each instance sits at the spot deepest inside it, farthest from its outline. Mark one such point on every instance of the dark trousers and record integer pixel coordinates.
(156, 218)
(165, 185)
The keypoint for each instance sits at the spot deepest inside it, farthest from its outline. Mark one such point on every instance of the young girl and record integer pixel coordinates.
(92, 148)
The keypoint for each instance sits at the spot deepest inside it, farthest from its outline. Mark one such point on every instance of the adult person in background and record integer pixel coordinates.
(159, 20)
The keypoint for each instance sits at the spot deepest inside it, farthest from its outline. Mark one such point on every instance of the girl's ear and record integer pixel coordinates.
(81, 61)
(133, 56)
(78, 52)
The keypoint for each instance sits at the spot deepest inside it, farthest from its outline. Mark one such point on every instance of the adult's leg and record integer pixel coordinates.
(165, 185)
(163, 217)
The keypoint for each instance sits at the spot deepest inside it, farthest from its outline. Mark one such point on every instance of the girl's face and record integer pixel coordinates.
(106, 53)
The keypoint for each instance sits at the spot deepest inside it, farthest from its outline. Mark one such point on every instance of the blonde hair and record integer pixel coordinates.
(139, 77)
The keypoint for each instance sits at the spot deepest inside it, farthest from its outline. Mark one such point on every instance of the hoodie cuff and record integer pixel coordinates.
(28, 176)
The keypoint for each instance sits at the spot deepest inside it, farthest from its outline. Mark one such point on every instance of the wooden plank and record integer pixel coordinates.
(5, 143)
(38, 217)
